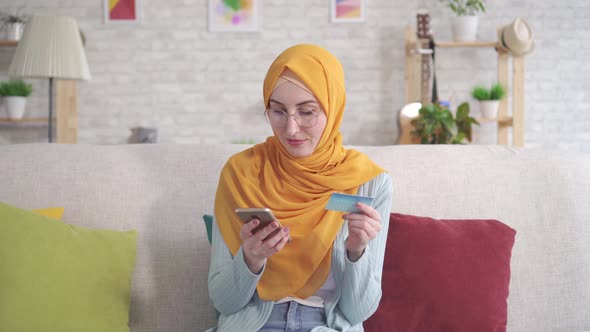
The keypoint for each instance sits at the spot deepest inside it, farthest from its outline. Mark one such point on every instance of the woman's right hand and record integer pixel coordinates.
(257, 247)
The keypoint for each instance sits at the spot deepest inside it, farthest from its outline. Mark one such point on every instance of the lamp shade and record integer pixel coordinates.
(50, 46)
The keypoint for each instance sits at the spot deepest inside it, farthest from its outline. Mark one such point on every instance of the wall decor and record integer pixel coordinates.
(348, 10)
(122, 11)
(233, 15)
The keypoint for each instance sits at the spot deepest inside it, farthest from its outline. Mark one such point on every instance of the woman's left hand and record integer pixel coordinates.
(362, 227)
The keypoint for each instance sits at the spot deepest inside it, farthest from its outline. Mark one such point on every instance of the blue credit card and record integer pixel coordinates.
(346, 203)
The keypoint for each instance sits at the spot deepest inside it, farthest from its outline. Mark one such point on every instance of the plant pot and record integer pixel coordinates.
(14, 31)
(15, 106)
(464, 28)
(489, 108)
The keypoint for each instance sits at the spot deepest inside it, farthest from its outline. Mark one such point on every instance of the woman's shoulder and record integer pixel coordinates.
(381, 178)
(247, 158)
(381, 182)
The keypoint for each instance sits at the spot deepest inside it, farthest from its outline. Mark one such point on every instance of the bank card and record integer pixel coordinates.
(346, 203)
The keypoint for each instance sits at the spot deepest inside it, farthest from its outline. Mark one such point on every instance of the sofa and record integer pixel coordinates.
(163, 190)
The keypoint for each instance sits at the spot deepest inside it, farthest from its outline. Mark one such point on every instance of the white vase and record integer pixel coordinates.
(489, 108)
(15, 106)
(464, 28)
(14, 31)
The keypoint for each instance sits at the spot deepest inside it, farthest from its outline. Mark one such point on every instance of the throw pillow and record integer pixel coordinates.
(60, 277)
(55, 212)
(444, 275)
(208, 220)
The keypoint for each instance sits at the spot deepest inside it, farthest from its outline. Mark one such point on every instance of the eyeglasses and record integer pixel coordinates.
(279, 118)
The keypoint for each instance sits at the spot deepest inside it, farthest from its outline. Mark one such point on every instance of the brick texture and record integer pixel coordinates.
(196, 86)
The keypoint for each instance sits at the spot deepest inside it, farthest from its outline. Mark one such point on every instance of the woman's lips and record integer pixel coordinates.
(295, 142)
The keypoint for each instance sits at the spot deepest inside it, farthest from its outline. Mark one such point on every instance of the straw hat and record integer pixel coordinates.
(517, 37)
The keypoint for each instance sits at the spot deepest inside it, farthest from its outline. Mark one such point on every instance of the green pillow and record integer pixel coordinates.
(208, 219)
(59, 277)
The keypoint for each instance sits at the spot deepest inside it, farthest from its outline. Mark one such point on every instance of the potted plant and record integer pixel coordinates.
(14, 97)
(436, 124)
(13, 24)
(489, 99)
(464, 24)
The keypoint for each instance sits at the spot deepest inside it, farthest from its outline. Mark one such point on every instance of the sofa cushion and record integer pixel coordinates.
(208, 220)
(52, 212)
(59, 277)
(444, 275)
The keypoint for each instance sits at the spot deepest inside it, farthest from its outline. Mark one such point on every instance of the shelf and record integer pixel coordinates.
(23, 120)
(503, 121)
(8, 43)
(418, 86)
(475, 44)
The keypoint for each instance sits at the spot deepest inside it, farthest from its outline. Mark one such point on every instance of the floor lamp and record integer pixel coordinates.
(50, 47)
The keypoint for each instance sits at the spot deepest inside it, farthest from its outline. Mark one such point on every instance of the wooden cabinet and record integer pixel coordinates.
(415, 91)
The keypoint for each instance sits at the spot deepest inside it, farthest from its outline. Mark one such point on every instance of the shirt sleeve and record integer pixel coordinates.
(361, 285)
(231, 283)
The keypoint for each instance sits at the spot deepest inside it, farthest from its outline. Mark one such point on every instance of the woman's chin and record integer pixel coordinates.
(299, 151)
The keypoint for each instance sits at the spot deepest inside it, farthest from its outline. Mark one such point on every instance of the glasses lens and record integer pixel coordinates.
(279, 118)
(306, 118)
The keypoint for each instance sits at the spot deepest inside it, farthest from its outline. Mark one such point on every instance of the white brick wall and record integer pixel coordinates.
(195, 86)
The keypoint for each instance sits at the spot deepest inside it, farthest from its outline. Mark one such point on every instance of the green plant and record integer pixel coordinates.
(436, 124)
(496, 92)
(465, 7)
(15, 89)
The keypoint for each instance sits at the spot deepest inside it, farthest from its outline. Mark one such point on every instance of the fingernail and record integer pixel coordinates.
(274, 225)
(255, 221)
(286, 229)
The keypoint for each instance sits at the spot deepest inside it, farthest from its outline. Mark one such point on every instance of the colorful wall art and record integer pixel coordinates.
(122, 11)
(348, 10)
(233, 15)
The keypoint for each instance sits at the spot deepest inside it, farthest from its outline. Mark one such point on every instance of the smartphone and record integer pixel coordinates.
(263, 214)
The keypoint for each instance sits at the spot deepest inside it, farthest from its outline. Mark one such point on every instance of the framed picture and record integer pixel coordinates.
(348, 11)
(233, 15)
(122, 11)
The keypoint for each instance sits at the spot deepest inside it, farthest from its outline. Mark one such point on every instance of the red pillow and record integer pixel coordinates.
(444, 275)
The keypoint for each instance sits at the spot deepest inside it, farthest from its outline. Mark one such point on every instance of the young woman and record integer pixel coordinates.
(322, 270)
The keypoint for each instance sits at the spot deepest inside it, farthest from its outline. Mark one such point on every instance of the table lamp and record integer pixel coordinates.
(50, 47)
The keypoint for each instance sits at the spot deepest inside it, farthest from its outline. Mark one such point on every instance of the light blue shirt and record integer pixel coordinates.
(232, 286)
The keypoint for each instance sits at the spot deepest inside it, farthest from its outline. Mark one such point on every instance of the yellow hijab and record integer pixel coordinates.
(296, 189)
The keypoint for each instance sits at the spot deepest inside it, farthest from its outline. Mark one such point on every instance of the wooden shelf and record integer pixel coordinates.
(502, 121)
(8, 43)
(24, 120)
(418, 86)
(475, 44)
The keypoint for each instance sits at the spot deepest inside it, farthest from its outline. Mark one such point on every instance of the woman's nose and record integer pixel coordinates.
(292, 125)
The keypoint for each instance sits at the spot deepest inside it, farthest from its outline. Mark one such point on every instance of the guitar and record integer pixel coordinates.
(410, 111)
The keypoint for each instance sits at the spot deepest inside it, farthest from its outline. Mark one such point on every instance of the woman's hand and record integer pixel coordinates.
(257, 247)
(362, 228)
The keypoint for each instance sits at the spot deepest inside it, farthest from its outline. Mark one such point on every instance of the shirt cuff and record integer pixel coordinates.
(358, 261)
(243, 267)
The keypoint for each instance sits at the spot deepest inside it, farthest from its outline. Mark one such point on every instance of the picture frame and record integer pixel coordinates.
(348, 11)
(233, 15)
(123, 11)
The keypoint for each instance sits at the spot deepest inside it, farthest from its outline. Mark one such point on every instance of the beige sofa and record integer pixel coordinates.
(163, 190)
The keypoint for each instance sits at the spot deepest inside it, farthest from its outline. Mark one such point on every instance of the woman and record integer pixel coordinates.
(322, 271)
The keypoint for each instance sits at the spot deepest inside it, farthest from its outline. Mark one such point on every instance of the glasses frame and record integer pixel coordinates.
(315, 122)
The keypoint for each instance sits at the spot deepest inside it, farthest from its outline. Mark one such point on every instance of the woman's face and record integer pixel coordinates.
(298, 140)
